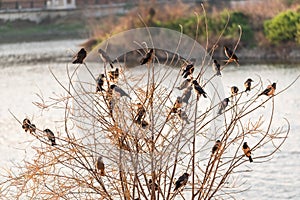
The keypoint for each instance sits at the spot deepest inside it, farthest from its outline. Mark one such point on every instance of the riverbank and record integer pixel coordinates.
(60, 28)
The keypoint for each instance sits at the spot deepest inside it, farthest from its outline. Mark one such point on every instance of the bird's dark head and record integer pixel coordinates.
(186, 174)
(218, 141)
(245, 144)
(82, 50)
(151, 51)
(215, 61)
(47, 130)
(195, 82)
(112, 86)
(226, 100)
(225, 48)
(150, 180)
(274, 85)
(26, 121)
(249, 80)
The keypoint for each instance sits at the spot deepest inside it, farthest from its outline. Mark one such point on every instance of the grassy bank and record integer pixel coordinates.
(54, 29)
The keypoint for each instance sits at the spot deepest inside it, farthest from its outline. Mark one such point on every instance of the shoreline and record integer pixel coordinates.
(257, 55)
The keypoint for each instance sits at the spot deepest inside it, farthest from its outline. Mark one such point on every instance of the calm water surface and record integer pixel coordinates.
(278, 178)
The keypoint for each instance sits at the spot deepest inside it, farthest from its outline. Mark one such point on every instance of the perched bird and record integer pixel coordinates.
(111, 105)
(141, 112)
(100, 166)
(105, 58)
(113, 75)
(216, 147)
(50, 136)
(230, 55)
(187, 94)
(198, 89)
(26, 124)
(183, 116)
(177, 105)
(32, 128)
(270, 90)
(184, 84)
(217, 68)
(234, 90)
(223, 104)
(247, 151)
(247, 84)
(150, 184)
(144, 124)
(182, 180)
(147, 58)
(188, 70)
(119, 91)
(100, 83)
(80, 56)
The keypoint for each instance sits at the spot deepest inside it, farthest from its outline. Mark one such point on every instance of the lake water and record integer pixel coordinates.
(278, 178)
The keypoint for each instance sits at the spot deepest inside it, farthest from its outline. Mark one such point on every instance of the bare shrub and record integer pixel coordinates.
(145, 136)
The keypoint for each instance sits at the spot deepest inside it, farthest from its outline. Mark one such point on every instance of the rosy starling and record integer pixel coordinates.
(182, 180)
(187, 94)
(144, 124)
(150, 184)
(230, 55)
(217, 68)
(113, 75)
(50, 136)
(247, 151)
(188, 70)
(147, 58)
(198, 89)
(119, 90)
(26, 124)
(223, 104)
(184, 84)
(80, 56)
(141, 112)
(216, 147)
(105, 58)
(177, 105)
(270, 90)
(100, 83)
(32, 128)
(100, 166)
(234, 90)
(247, 84)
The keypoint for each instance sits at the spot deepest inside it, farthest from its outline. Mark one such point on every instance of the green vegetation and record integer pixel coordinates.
(22, 30)
(283, 28)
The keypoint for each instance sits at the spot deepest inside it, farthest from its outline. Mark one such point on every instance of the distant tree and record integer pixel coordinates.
(283, 27)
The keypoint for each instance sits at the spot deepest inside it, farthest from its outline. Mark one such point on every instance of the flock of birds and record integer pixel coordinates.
(187, 85)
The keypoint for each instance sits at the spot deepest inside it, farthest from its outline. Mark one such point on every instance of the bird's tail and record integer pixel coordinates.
(53, 143)
(204, 95)
(219, 111)
(111, 65)
(102, 172)
(250, 159)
